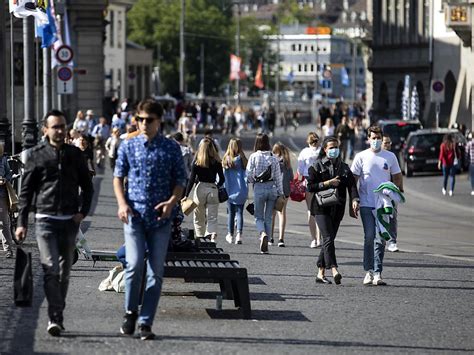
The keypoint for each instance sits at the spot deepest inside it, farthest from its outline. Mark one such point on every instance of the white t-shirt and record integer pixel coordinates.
(306, 159)
(373, 169)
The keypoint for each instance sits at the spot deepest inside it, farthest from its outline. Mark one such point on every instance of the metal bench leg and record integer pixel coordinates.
(244, 297)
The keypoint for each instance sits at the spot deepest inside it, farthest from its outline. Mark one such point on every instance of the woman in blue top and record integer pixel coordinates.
(234, 163)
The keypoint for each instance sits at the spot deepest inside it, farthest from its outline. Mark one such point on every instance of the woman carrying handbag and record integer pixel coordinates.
(329, 178)
(5, 178)
(263, 171)
(204, 171)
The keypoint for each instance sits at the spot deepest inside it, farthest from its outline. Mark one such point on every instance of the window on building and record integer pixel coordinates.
(293, 47)
(312, 67)
(299, 68)
(112, 29)
(426, 19)
(406, 17)
(299, 47)
(119, 29)
(312, 48)
(361, 71)
(305, 48)
(119, 82)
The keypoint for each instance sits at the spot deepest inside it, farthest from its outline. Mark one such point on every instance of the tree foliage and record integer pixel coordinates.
(207, 22)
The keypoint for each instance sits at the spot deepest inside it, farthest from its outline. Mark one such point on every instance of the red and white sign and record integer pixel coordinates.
(64, 54)
(65, 82)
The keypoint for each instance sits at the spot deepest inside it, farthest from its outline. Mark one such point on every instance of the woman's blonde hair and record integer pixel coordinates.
(312, 139)
(282, 151)
(234, 150)
(207, 153)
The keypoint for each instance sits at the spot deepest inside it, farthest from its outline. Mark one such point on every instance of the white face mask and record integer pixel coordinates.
(375, 144)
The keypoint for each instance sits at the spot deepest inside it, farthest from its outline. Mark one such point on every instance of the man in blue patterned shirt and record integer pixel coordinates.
(156, 178)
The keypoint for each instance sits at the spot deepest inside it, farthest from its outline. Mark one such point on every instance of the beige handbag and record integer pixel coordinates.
(12, 197)
(188, 205)
(279, 204)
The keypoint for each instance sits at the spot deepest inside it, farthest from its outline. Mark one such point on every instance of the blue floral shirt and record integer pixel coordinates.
(153, 169)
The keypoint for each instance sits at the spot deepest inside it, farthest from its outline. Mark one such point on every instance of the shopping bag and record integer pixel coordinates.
(188, 205)
(23, 279)
(12, 197)
(222, 194)
(297, 189)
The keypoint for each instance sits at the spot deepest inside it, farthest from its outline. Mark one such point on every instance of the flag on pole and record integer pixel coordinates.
(235, 67)
(290, 77)
(25, 8)
(344, 77)
(48, 31)
(259, 77)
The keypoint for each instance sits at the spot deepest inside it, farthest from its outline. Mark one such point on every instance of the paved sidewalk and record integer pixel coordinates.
(427, 307)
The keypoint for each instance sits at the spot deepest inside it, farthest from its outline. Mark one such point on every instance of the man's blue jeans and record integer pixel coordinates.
(235, 212)
(137, 238)
(265, 195)
(374, 245)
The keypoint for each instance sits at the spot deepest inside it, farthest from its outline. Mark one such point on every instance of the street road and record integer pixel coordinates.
(426, 307)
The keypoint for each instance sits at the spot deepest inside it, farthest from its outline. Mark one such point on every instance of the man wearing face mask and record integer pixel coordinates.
(371, 168)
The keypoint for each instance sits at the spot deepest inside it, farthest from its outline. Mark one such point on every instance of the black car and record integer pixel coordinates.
(398, 131)
(421, 150)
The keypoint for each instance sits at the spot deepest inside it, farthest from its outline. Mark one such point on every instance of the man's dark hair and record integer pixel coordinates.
(376, 130)
(150, 106)
(208, 132)
(53, 112)
(262, 142)
(178, 137)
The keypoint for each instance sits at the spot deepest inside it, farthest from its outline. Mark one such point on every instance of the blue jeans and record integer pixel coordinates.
(265, 195)
(235, 212)
(374, 245)
(137, 239)
(447, 172)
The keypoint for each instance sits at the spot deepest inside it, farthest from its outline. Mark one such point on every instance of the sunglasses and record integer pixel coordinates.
(149, 120)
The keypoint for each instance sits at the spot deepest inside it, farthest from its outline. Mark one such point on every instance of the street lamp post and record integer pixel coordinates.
(181, 48)
(237, 52)
(29, 126)
(4, 125)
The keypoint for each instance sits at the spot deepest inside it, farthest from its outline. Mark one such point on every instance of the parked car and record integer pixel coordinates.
(421, 150)
(398, 131)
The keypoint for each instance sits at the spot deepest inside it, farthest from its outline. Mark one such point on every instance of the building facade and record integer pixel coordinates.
(410, 37)
(306, 59)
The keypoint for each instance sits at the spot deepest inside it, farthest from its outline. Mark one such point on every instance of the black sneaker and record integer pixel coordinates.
(145, 332)
(128, 325)
(264, 244)
(54, 329)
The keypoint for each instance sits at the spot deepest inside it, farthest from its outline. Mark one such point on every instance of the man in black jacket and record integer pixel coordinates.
(54, 172)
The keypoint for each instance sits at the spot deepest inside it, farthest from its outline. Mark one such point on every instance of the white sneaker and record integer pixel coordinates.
(472, 193)
(313, 244)
(443, 190)
(377, 281)
(213, 238)
(392, 246)
(238, 239)
(369, 276)
(450, 192)
(228, 238)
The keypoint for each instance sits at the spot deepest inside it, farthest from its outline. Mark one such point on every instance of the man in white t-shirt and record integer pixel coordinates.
(371, 167)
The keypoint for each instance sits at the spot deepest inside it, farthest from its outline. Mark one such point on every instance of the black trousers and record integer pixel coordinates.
(328, 225)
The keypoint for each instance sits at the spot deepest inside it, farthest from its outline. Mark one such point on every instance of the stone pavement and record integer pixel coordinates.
(427, 307)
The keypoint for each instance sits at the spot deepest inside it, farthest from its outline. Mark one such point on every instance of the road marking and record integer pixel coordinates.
(437, 201)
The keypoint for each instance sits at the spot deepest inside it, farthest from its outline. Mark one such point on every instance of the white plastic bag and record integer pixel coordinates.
(106, 284)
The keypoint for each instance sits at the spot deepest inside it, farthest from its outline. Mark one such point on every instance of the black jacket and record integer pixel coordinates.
(54, 177)
(324, 170)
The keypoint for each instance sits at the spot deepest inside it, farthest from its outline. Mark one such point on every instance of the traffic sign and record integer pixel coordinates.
(437, 91)
(64, 54)
(65, 80)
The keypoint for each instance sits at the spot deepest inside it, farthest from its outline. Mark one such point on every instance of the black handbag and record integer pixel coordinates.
(327, 198)
(250, 208)
(222, 194)
(264, 176)
(23, 279)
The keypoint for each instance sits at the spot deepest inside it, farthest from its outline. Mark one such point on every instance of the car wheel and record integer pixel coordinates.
(408, 171)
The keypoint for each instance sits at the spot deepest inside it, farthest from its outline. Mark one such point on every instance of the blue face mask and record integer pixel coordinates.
(376, 144)
(333, 153)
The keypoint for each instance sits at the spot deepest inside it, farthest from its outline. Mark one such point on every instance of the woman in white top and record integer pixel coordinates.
(263, 171)
(306, 159)
(328, 128)
(80, 123)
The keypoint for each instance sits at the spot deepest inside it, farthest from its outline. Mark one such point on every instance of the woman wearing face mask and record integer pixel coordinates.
(330, 171)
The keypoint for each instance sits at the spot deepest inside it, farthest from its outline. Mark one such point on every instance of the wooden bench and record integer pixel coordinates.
(232, 278)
